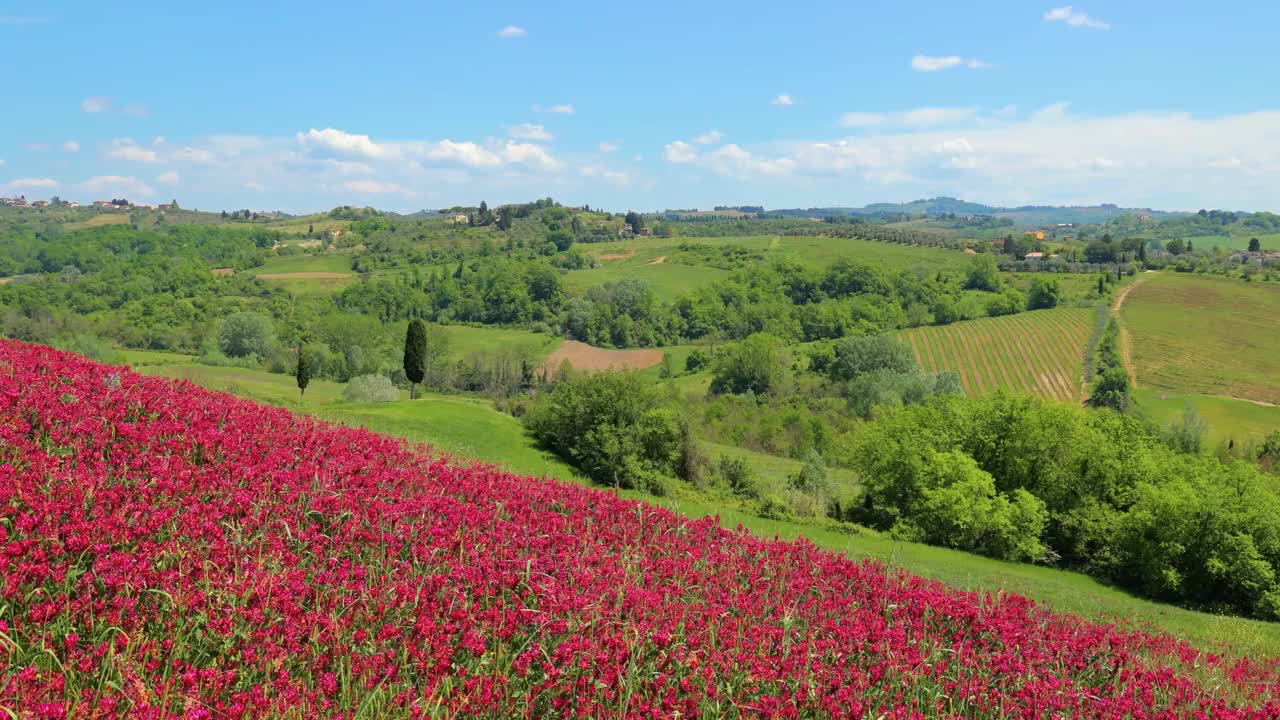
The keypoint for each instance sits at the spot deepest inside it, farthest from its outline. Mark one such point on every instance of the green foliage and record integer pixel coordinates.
(1110, 498)
(415, 352)
(760, 364)
(302, 373)
(246, 334)
(1188, 432)
(1044, 293)
(858, 355)
(983, 274)
(1111, 390)
(892, 388)
(370, 389)
(696, 360)
(955, 503)
(610, 426)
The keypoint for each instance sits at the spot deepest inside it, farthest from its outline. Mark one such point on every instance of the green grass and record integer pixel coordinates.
(337, 263)
(1039, 352)
(1228, 419)
(473, 428)
(635, 259)
(465, 340)
(1269, 241)
(1198, 335)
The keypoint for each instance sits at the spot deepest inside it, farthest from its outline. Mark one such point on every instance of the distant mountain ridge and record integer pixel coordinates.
(1022, 215)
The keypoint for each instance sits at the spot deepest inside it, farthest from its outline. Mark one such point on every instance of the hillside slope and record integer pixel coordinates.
(174, 551)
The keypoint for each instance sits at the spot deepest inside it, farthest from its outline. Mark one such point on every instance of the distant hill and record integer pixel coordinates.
(1033, 215)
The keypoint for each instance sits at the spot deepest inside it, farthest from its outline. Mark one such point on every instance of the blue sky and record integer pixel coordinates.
(303, 106)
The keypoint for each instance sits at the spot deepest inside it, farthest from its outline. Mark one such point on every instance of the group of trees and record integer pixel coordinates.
(1025, 479)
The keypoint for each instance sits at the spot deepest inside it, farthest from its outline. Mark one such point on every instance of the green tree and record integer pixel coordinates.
(983, 274)
(610, 426)
(415, 355)
(1111, 390)
(858, 355)
(1044, 293)
(246, 333)
(761, 364)
(1255, 245)
(303, 372)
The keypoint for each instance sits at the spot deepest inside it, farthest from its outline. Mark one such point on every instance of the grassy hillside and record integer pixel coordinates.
(471, 428)
(308, 274)
(1228, 419)
(1040, 352)
(671, 271)
(1206, 336)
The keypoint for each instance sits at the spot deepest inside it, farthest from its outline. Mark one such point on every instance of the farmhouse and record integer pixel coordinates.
(40, 203)
(103, 204)
(1035, 256)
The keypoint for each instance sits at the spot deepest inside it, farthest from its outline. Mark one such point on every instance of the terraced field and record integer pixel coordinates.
(1206, 335)
(1039, 352)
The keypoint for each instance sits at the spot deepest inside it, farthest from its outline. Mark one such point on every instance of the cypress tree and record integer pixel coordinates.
(304, 372)
(415, 355)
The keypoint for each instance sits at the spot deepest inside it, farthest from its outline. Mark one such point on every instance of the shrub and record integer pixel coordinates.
(370, 389)
(246, 333)
(858, 355)
(760, 364)
(696, 361)
(1044, 293)
(610, 426)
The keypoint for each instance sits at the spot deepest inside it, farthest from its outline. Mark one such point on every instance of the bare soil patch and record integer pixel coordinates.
(586, 357)
(610, 257)
(661, 259)
(223, 272)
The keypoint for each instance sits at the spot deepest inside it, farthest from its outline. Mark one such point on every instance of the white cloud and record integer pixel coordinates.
(350, 167)
(606, 147)
(1069, 16)
(918, 117)
(71, 146)
(95, 104)
(733, 161)
(1146, 159)
(512, 31)
(200, 156)
(861, 119)
(33, 183)
(344, 143)
(37, 147)
(117, 185)
(710, 137)
(561, 109)
(135, 110)
(255, 186)
(680, 152)
(169, 178)
(934, 63)
(126, 149)
(783, 100)
(530, 131)
(377, 187)
(617, 178)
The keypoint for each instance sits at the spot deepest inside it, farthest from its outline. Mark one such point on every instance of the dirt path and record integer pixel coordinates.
(1126, 342)
(661, 259)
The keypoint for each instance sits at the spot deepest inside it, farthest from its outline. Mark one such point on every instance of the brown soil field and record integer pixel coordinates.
(586, 357)
(223, 272)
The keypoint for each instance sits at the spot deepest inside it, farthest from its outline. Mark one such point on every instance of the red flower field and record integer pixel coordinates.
(171, 552)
